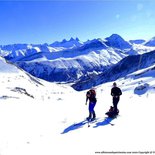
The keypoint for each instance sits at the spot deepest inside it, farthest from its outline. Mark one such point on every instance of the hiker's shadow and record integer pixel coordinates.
(79, 125)
(104, 122)
(74, 126)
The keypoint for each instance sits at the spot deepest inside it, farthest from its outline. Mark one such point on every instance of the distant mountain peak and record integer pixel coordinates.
(95, 43)
(77, 39)
(71, 39)
(151, 42)
(64, 40)
(117, 41)
(137, 41)
(115, 37)
(67, 43)
(153, 38)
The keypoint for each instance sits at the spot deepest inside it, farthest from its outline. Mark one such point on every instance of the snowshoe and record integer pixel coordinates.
(92, 119)
(88, 118)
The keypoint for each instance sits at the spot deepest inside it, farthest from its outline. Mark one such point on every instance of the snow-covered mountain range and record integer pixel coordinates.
(124, 67)
(75, 61)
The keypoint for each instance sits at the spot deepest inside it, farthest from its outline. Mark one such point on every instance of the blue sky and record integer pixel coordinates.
(49, 21)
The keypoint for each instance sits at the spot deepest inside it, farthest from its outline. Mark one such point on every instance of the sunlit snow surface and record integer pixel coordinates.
(43, 122)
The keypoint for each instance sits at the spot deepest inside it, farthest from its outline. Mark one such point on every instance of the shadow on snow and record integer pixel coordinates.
(79, 125)
(104, 122)
(74, 126)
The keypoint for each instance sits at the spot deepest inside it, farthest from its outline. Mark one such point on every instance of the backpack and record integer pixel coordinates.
(111, 112)
(92, 93)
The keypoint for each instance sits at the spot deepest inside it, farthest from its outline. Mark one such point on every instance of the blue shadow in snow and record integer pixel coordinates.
(104, 122)
(79, 125)
(141, 89)
(74, 126)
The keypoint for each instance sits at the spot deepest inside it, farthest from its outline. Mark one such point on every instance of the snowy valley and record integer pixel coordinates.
(73, 60)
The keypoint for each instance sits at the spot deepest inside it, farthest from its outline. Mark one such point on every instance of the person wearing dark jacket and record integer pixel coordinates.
(115, 92)
(91, 96)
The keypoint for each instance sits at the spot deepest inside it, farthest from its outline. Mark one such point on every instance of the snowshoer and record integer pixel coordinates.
(116, 92)
(91, 96)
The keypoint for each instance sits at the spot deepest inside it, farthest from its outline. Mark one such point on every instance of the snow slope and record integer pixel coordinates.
(44, 125)
(127, 65)
(17, 84)
(70, 66)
